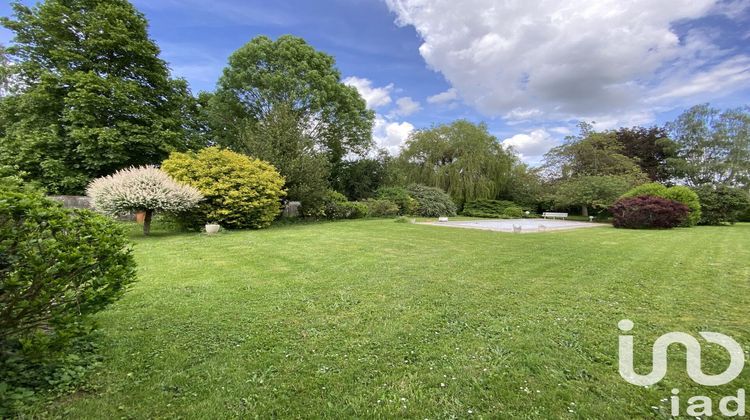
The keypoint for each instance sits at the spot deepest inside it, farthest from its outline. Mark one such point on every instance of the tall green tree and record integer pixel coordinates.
(651, 149)
(462, 158)
(590, 153)
(714, 144)
(590, 170)
(360, 179)
(94, 95)
(279, 139)
(286, 94)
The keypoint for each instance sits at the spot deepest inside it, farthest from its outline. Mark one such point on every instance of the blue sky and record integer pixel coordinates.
(530, 70)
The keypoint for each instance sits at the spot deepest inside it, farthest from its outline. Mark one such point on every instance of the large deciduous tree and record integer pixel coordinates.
(714, 144)
(590, 170)
(461, 158)
(651, 149)
(93, 95)
(284, 102)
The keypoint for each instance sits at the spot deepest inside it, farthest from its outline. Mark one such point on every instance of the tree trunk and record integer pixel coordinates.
(584, 211)
(147, 222)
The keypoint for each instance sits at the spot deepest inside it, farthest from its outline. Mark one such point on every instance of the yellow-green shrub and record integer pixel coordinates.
(239, 191)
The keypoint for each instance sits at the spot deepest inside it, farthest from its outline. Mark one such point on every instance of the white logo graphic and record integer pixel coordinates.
(693, 349)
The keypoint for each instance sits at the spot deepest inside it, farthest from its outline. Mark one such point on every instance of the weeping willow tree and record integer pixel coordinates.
(462, 158)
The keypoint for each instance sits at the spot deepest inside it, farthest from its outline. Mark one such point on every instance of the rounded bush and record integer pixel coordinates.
(432, 202)
(399, 195)
(645, 212)
(381, 207)
(723, 204)
(513, 212)
(239, 191)
(677, 193)
(336, 206)
(57, 267)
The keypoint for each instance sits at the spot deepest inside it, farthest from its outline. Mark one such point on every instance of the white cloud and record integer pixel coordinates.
(720, 78)
(374, 96)
(551, 59)
(531, 146)
(406, 106)
(449, 95)
(390, 135)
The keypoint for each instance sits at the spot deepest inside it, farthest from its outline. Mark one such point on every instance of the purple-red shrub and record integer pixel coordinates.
(648, 211)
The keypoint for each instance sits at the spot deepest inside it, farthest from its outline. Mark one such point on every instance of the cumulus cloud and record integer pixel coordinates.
(449, 95)
(406, 106)
(374, 96)
(531, 146)
(390, 135)
(551, 59)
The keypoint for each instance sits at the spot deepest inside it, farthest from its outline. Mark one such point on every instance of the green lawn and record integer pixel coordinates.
(381, 319)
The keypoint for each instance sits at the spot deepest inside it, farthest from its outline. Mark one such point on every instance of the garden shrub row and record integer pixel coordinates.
(493, 209)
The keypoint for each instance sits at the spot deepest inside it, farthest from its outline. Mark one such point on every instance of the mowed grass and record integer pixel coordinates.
(378, 319)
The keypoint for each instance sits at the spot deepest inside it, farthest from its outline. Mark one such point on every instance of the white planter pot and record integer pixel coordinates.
(212, 228)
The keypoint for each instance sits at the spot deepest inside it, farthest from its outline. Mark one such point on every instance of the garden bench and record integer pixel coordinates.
(554, 215)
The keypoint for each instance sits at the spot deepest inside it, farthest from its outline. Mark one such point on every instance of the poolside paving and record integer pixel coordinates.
(527, 225)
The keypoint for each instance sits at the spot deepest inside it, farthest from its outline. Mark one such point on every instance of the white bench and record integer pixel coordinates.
(554, 215)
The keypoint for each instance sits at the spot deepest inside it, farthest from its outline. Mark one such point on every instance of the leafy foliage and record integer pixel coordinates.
(57, 267)
(239, 191)
(146, 189)
(489, 208)
(597, 192)
(645, 211)
(714, 145)
(722, 204)
(590, 153)
(93, 95)
(461, 158)
(590, 170)
(677, 193)
(381, 207)
(360, 179)
(431, 201)
(279, 140)
(401, 196)
(267, 79)
(651, 149)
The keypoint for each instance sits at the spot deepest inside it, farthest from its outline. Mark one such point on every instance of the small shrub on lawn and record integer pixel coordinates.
(57, 267)
(513, 212)
(399, 195)
(145, 189)
(645, 212)
(381, 207)
(432, 202)
(239, 191)
(723, 204)
(677, 193)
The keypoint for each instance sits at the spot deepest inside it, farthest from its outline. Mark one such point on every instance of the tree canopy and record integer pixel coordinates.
(714, 145)
(93, 94)
(651, 149)
(264, 75)
(462, 158)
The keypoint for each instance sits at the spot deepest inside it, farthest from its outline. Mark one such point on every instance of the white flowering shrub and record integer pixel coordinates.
(147, 189)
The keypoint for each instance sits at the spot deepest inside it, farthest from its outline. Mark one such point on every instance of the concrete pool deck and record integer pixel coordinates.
(527, 225)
